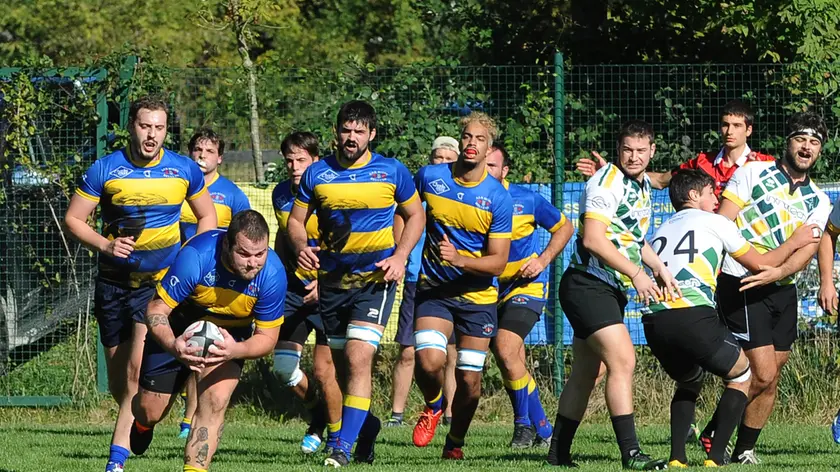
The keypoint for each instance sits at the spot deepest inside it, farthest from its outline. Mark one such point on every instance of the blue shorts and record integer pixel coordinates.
(161, 372)
(339, 306)
(117, 309)
(470, 319)
(299, 319)
(405, 327)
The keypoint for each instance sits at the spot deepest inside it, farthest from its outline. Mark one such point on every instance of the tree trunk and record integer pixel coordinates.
(241, 37)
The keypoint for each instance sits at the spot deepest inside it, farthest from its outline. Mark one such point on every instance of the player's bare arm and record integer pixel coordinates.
(588, 167)
(204, 211)
(415, 221)
(670, 289)
(493, 263)
(803, 236)
(76, 221)
(558, 241)
(595, 241)
(260, 344)
(795, 263)
(157, 321)
(729, 209)
(306, 256)
(827, 296)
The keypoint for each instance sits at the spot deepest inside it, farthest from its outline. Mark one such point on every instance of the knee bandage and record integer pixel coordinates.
(470, 360)
(367, 334)
(742, 377)
(287, 366)
(429, 339)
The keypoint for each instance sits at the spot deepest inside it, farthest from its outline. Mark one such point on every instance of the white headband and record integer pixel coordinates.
(807, 132)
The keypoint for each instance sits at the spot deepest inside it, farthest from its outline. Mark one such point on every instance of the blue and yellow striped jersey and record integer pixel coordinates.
(143, 200)
(355, 208)
(530, 210)
(283, 199)
(469, 214)
(228, 200)
(200, 278)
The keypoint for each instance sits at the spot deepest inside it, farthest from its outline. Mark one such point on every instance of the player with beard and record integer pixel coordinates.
(232, 279)
(354, 195)
(607, 261)
(300, 150)
(140, 189)
(769, 201)
(207, 149)
(468, 234)
(523, 290)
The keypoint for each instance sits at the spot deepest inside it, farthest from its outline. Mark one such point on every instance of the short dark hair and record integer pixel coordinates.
(739, 108)
(686, 180)
(506, 162)
(248, 222)
(209, 135)
(300, 139)
(358, 111)
(635, 129)
(807, 119)
(148, 103)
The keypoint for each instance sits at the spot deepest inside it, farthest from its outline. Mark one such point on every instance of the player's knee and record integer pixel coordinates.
(470, 383)
(742, 376)
(406, 355)
(693, 382)
(214, 403)
(762, 380)
(287, 366)
(621, 365)
(324, 369)
(366, 334)
(470, 360)
(148, 408)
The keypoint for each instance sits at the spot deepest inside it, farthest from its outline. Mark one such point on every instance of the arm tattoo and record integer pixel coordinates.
(153, 320)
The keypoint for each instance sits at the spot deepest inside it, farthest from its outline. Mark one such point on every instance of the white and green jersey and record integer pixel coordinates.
(623, 204)
(692, 244)
(772, 208)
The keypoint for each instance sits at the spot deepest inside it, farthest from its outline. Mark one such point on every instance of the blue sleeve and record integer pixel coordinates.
(418, 180)
(268, 311)
(195, 180)
(92, 183)
(502, 223)
(241, 203)
(406, 192)
(181, 278)
(306, 187)
(546, 215)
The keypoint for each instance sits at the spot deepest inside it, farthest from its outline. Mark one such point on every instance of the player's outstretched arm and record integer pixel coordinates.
(768, 275)
(729, 209)
(493, 263)
(803, 236)
(659, 180)
(157, 321)
(558, 241)
(76, 222)
(669, 287)
(588, 167)
(260, 344)
(205, 212)
(415, 221)
(828, 292)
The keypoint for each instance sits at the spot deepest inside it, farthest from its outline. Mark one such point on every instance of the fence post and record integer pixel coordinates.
(559, 169)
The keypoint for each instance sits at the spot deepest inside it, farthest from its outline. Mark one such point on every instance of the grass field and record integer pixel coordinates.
(272, 447)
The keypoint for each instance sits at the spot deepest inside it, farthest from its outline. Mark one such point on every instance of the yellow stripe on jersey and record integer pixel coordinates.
(356, 280)
(459, 215)
(611, 175)
(157, 238)
(522, 226)
(742, 251)
(147, 192)
(223, 215)
(161, 292)
(87, 196)
(498, 235)
(534, 289)
(596, 216)
(269, 324)
(512, 268)
(137, 279)
(470, 254)
(734, 198)
(371, 241)
(354, 196)
(488, 296)
(832, 228)
(559, 224)
(416, 196)
(200, 193)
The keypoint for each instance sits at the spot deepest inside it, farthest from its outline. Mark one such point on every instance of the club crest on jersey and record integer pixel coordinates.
(210, 278)
(171, 172)
(217, 197)
(487, 329)
(483, 202)
(519, 300)
(327, 176)
(252, 290)
(120, 172)
(518, 208)
(438, 186)
(378, 176)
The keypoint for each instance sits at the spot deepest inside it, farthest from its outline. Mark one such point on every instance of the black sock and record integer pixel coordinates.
(682, 412)
(747, 437)
(709, 430)
(624, 427)
(560, 451)
(396, 416)
(729, 410)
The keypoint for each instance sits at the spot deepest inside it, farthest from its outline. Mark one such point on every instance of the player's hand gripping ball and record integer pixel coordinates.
(204, 333)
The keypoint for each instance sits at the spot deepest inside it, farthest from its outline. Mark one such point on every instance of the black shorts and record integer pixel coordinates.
(117, 309)
(405, 325)
(519, 314)
(761, 316)
(339, 306)
(161, 372)
(469, 319)
(589, 303)
(300, 319)
(688, 339)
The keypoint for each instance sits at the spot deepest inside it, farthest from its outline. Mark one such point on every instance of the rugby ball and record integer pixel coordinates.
(204, 333)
